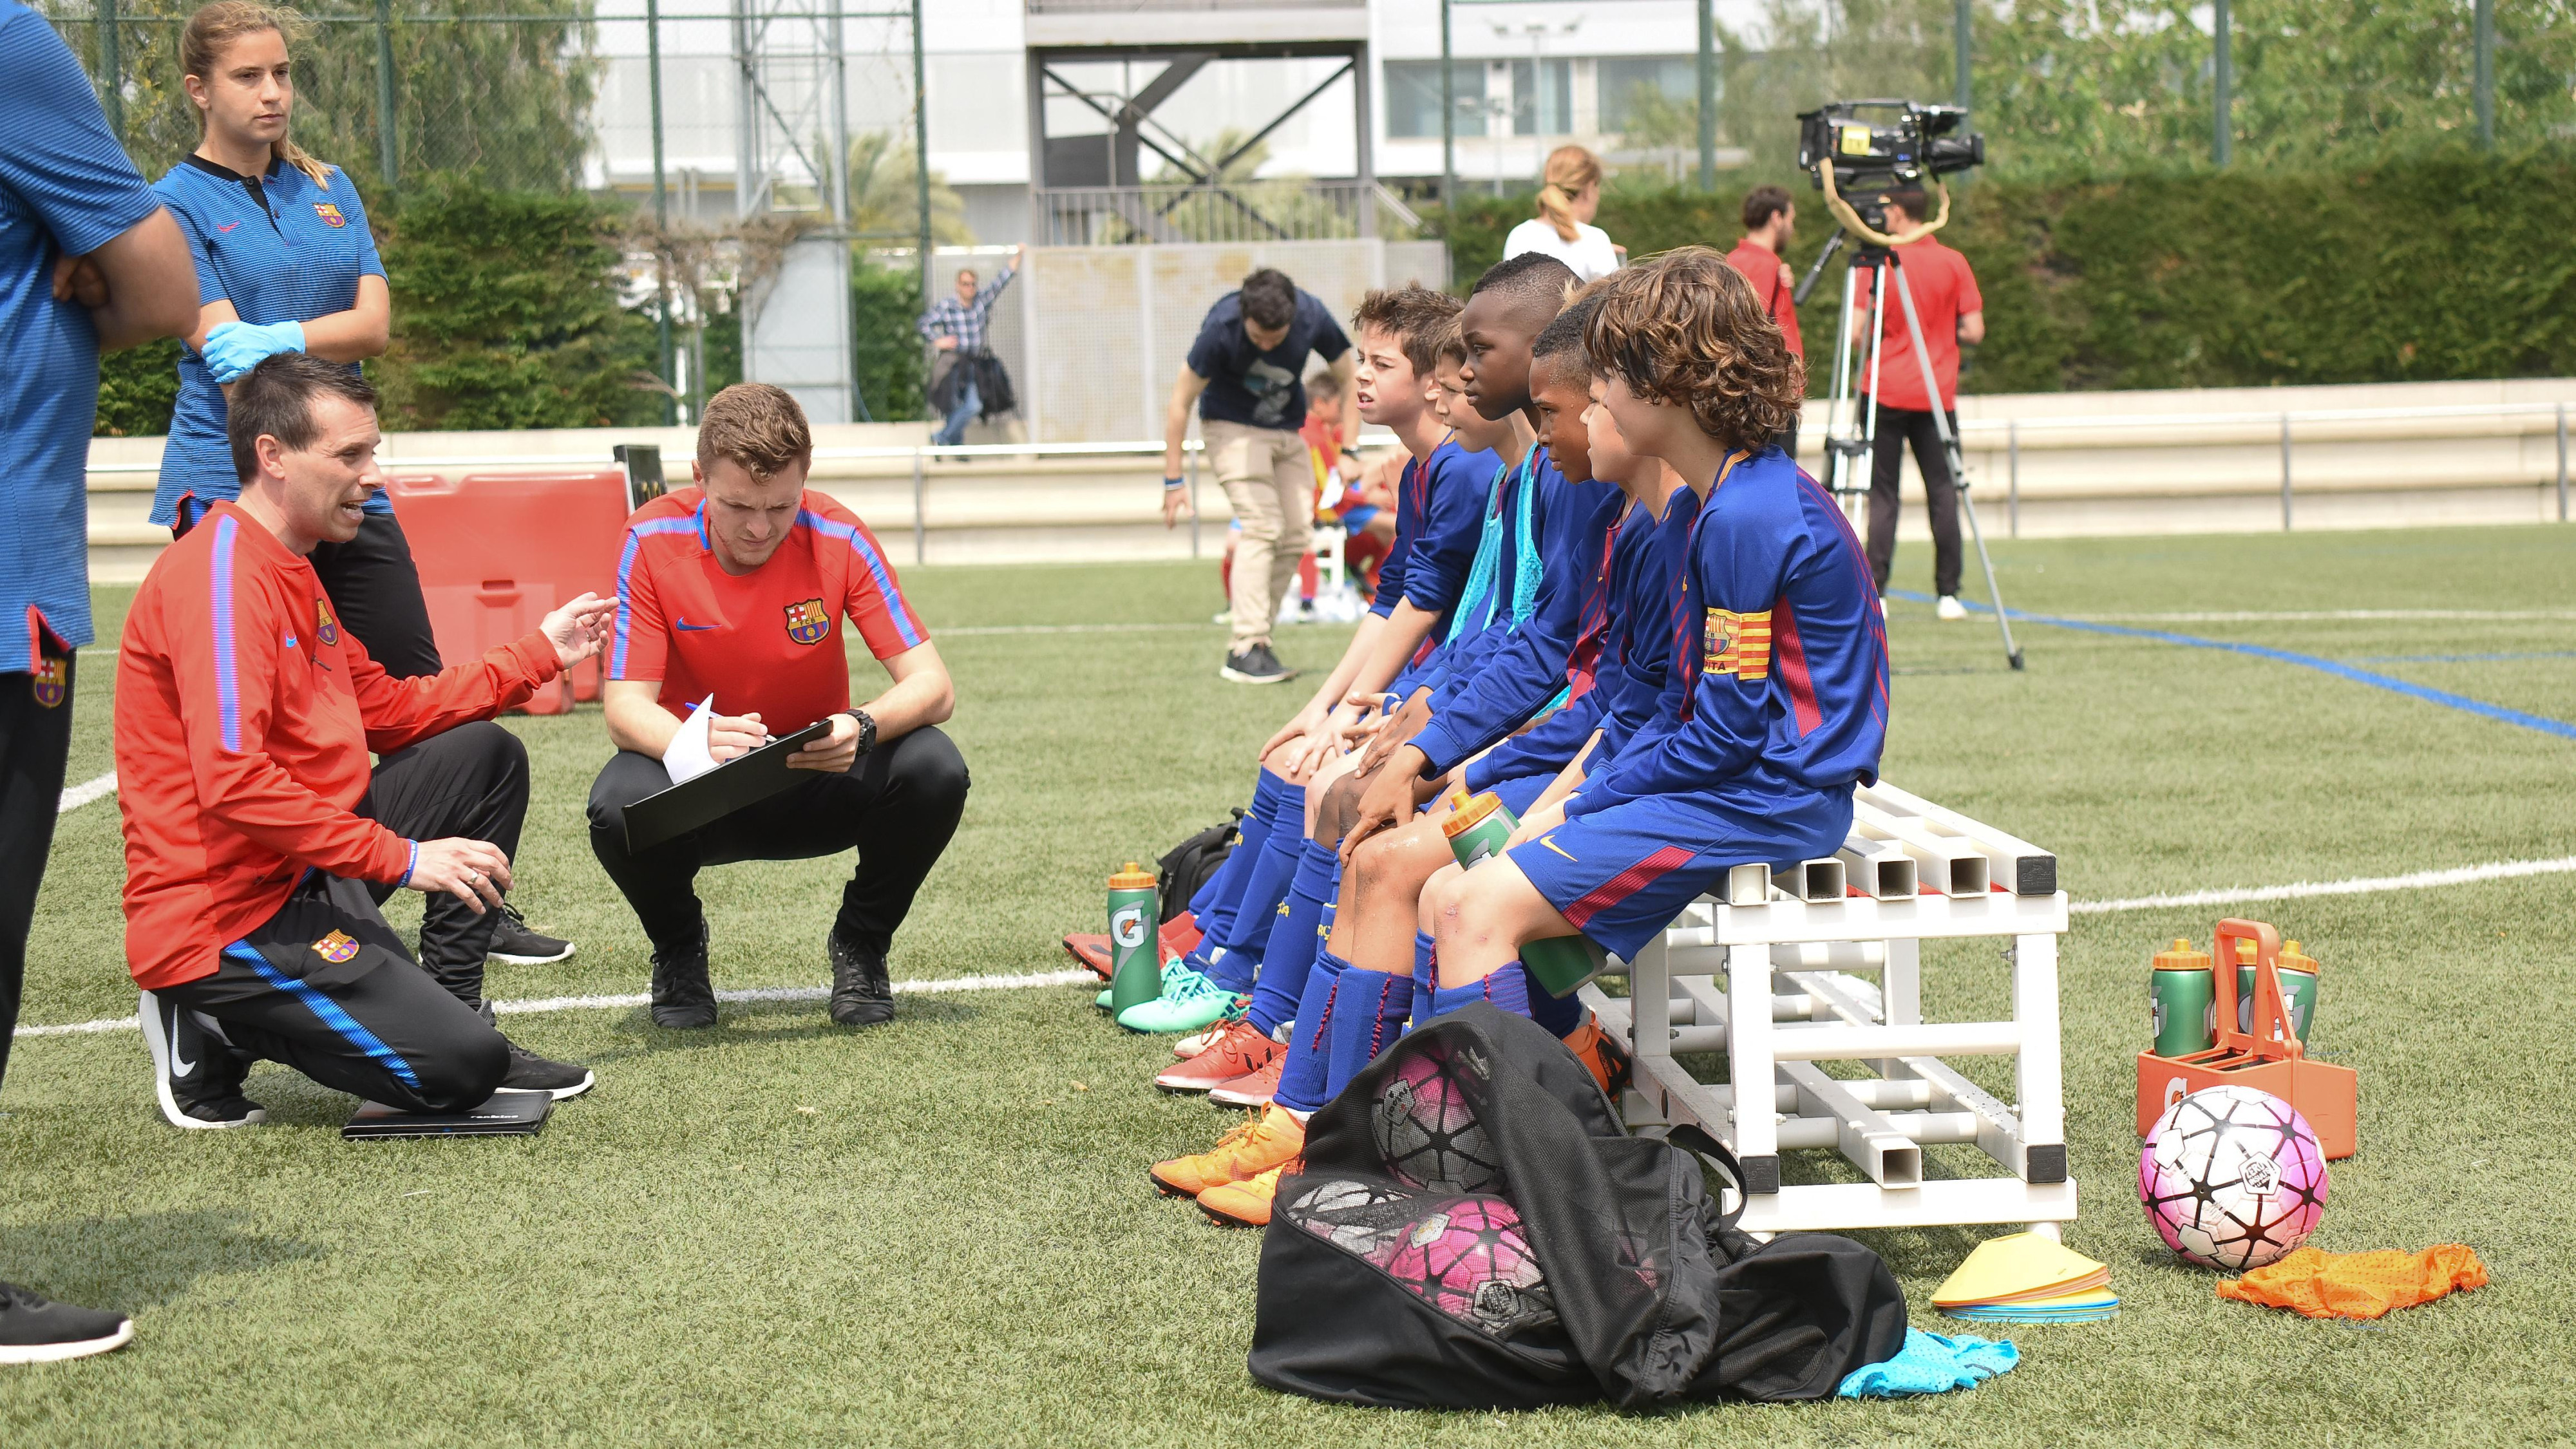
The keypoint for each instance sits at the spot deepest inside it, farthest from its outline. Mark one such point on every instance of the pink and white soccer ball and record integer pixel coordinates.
(2232, 1178)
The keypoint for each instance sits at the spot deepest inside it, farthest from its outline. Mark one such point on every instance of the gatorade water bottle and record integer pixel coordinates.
(2185, 997)
(2298, 987)
(1134, 975)
(1477, 831)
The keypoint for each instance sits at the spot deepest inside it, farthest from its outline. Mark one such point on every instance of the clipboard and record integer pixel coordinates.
(719, 792)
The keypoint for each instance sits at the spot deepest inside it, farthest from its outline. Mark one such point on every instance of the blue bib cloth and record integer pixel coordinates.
(280, 249)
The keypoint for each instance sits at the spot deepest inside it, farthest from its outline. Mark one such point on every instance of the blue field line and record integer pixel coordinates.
(2443, 697)
(2462, 658)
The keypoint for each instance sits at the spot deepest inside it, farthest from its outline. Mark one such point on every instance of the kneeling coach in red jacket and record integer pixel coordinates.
(258, 840)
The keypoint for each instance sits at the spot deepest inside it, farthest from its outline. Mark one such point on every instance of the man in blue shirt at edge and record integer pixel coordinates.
(1245, 374)
(88, 261)
(1776, 703)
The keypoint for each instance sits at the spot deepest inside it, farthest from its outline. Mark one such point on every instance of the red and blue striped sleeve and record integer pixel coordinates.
(873, 598)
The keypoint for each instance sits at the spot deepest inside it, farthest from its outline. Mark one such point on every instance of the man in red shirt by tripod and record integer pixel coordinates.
(1951, 311)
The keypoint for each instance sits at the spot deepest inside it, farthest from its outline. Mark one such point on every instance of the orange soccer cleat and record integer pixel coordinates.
(1256, 1145)
(1246, 1204)
(1238, 1050)
(1255, 1090)
(1601, 1055)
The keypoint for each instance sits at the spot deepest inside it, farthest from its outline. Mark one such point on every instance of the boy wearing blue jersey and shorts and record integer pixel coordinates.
(1777, 700)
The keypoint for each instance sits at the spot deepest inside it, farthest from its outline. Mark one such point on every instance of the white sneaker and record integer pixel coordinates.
(1951, 608)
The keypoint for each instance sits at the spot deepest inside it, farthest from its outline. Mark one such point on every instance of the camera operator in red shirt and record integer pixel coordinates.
(1951, 311)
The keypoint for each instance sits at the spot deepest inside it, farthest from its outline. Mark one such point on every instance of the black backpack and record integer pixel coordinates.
(1474, 1228)
(1188, 865)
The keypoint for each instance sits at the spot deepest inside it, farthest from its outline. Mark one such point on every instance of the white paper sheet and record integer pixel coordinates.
(688, 755)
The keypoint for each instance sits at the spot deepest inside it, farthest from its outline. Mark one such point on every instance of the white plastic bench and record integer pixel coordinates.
(1797, 950)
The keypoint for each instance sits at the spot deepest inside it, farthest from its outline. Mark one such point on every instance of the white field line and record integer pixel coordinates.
(2420, 880)
(75, 796)
(610, 1003)
(987, 631)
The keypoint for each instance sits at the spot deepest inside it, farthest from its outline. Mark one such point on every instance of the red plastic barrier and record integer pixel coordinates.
(498, 551)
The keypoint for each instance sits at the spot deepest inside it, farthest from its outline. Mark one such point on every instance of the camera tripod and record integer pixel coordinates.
(1847, 457)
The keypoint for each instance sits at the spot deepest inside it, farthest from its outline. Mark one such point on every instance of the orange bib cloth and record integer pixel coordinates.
(2358, 1285)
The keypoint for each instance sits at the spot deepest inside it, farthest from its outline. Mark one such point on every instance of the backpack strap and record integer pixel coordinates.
(1695, 1140)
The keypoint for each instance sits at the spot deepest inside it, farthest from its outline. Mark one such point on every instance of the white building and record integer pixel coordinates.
(1528, 75)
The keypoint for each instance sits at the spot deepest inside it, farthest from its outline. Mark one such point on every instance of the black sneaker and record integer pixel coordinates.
(35, 1330)
(683, 998)
(197, 1077)
(861, 993)
(513, 944)
(1256, 665)
(532, 1073)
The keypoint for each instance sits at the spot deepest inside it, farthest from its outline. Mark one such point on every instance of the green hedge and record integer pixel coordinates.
(2441, 268)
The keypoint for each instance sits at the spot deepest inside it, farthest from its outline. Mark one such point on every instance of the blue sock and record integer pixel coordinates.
(1426, 975)
(1507, 988)
(1301, 1081)
(1214, 905)
(1265, 892)
(1559, 1014)
(1369, 1009)
(1294, 941)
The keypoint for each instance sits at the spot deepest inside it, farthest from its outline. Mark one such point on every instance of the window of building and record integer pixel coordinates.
(1413, 97)
(1633, 81)
(1544, 107)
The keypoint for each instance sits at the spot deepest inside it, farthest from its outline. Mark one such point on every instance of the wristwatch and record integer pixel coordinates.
(867, 729)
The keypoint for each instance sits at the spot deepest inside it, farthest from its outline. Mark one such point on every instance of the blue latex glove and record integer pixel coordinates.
(234, 348)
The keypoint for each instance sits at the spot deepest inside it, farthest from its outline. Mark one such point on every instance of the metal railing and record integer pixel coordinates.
(2182, 429)
(2194, 429)
(1286, 209)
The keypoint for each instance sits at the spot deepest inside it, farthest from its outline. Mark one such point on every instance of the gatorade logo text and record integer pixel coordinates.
(1127, 927)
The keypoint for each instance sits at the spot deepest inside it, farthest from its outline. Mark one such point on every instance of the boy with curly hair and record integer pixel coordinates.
(1776, 705)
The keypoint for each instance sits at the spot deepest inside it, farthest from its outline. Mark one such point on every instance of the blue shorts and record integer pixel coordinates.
(1522, 791)
(1621, 874)
(1357, 520)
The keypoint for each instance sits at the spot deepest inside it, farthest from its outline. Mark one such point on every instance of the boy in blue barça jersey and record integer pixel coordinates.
(1776, 706)
(1615, 677)
(1545, 529)
(1287, 880)
(1399, 331)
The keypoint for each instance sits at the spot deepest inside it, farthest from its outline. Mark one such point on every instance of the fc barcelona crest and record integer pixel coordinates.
(809, 622)
(53, 682)
(325, 627)
(329, 213)
(337, 947)
(1738, 644)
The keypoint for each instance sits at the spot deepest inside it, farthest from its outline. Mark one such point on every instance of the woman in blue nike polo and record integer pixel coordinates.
(285, 263)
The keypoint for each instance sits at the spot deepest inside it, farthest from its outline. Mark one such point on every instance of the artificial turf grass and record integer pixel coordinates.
(957, 1246)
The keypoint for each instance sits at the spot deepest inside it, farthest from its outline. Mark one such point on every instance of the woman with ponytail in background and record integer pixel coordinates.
(1568, 198)
(286, 263)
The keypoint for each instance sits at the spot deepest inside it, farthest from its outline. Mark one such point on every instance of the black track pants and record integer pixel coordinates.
(897, 806)
(376, 592)
(326, 987)
(35, 739)
(1896, 428)
(471, 781)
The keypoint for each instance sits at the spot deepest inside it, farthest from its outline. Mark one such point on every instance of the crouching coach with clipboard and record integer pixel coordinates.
(730, 596)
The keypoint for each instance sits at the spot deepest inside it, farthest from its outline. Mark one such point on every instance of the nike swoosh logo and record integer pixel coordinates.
(1559, 849)
(228, 226)
(178, 1068)
(692, 628)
